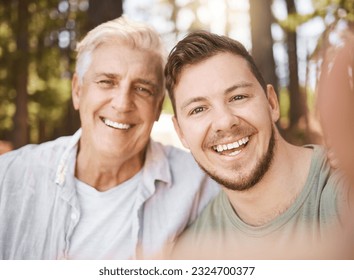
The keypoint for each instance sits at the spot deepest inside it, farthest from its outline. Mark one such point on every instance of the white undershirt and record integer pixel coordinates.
(105, 227)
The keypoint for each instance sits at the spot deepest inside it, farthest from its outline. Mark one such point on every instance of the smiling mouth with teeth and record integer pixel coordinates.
(234, 148)
(115, 125)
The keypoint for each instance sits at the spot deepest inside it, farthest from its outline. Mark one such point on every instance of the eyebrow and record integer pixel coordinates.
(192, 100)
(237, 86)
(226, 91)
(117, 76)
(147, 82)
(108, 75)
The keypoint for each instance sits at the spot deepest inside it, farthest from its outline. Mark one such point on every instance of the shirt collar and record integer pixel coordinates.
(68, 159)
(156, 166)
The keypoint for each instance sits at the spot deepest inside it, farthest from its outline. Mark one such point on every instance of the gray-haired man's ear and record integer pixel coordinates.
(75, 91)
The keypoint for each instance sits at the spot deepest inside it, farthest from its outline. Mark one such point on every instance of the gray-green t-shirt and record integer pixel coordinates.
(309, 228)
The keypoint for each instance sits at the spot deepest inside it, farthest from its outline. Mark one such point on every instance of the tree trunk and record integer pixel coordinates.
(262, 41)
(21, 129)
(297, 99)
(100, 11)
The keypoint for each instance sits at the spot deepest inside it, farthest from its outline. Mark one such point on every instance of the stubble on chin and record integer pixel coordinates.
(246, 182)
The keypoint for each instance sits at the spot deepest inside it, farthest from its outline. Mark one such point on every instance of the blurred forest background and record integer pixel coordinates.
(37, 53)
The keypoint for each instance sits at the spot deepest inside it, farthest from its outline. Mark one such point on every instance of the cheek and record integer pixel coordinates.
(264, 118)
(193, 134)
(149, 112)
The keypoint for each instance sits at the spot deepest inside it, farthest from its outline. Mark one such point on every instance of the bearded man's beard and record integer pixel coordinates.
(247, 182)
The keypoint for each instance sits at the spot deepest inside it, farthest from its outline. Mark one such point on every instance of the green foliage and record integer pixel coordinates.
(49, 65)
(294, 20)
(284, 103)
(167, 106)
(322, 8)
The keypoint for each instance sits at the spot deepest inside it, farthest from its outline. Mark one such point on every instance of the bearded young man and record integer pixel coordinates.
(278, 200)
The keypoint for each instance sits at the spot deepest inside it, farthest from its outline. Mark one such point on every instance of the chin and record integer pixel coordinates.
(254, 176)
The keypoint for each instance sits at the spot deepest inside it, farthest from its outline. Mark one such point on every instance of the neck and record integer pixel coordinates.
(277, 190)
(104, 172)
